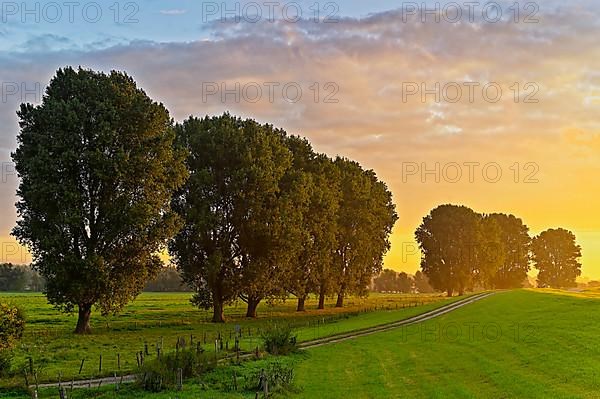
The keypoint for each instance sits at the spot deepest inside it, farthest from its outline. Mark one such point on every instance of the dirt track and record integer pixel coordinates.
(303, 345)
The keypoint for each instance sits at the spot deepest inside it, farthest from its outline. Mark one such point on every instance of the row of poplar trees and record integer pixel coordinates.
(461, 249)
(109, 181)
(265, 215)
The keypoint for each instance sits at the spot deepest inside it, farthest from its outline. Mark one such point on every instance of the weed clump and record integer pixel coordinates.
(280, 339)
(163, 372)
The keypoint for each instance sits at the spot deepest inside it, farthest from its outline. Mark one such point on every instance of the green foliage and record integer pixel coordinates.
(265, 215)
(462, 248)
(278, 376)
(239, 209)
(19, 278)
(167, 280)
(161, 373)
(12, 326)
(513, 249)
(313, 270)
(98, 169)
(279, 339)
(448, 238)
(391, 281)
(364, 223)
(556, 256)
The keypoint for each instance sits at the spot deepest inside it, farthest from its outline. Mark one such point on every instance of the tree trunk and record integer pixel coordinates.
(218, 312)
(301, 301)
(340, 300)
(252, 306)
(321, 300)
(461, 292)
(83, 320)
(450, 292)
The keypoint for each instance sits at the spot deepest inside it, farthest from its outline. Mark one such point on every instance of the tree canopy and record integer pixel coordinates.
(98, 169)
(391, 281)
(513, 251)
(449, 238)
(461, 249)
(556, 256)
(264, 216)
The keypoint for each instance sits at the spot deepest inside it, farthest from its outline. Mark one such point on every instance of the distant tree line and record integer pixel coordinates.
(391, 281)
(108, 181)
(17, 278)
(461, 249)
(167, 280)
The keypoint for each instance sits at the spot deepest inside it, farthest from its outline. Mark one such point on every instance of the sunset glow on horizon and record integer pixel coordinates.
(469, 114)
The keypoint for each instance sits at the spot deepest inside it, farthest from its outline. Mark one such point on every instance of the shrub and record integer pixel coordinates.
(280, 339)
(12, 325)
(161, 373)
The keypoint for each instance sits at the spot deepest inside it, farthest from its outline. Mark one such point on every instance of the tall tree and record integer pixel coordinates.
(513, 251)
(365, 221)
(448, 238)
(312, 270)
(490, 252)
(98, 169)
(556, 256)
(273, 236)
(236, 169)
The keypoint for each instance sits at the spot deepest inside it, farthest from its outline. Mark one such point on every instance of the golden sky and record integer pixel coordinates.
(371, 64)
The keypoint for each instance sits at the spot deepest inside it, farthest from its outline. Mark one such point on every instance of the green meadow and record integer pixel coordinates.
(523, 343)
(163, 318)
(514, 344)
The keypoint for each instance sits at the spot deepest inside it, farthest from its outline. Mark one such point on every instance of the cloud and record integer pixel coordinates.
(367, 63)
(46, 43)
(173, 12)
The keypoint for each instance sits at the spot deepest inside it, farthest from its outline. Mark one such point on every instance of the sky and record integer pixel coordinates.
(494, 105)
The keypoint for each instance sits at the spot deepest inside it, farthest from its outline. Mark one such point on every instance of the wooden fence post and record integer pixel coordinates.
(179, 379)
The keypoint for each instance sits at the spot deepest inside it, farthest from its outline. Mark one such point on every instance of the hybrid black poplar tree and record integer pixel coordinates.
(556, 256)
(97, 168)
(235, 214)
(449, 238)
(365, 220)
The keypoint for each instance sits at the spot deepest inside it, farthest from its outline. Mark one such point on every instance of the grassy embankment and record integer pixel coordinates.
(523, 343)
(163, 318)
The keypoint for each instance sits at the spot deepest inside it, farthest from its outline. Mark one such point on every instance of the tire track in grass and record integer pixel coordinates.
(442, 310)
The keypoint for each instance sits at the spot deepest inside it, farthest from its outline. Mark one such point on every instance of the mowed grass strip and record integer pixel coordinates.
(165, 317)
(519, 344)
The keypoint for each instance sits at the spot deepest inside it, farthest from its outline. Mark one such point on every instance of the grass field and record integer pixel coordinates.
(163, 318)
(518, 344)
